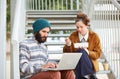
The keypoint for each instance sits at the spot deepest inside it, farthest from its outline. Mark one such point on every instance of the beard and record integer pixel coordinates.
(39, 38)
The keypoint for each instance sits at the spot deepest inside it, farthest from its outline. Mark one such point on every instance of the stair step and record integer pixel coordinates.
(102, 76)
(103, 72)
(51, 35)
(58, 25)
(56, 28)
(51, 16)
(53, 12)
(55, 21)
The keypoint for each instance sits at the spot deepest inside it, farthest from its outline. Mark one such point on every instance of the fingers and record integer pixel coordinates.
(68, 41)
(49, 65)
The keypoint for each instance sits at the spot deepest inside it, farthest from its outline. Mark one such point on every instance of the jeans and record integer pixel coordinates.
(84, 66)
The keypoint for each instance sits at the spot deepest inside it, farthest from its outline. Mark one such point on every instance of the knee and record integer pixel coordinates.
(56, 75)
(71, 74)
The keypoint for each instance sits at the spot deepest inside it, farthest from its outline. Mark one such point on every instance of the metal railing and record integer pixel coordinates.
(105, 21)
(53, 4)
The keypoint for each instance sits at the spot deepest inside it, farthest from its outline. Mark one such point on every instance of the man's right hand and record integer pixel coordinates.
(50, 65)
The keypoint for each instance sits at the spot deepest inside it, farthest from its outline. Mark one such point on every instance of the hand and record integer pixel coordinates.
(68, 41)
(50, 65)
(86, 50)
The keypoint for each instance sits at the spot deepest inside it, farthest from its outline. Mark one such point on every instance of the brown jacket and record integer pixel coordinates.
(94, 47)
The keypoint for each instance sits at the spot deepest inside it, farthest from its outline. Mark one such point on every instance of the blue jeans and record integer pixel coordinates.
(84, 66)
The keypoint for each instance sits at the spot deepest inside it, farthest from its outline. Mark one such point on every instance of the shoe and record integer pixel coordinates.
(83, 78)
(93, 76)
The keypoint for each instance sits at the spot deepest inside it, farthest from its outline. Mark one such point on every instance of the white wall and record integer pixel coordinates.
(2, 39)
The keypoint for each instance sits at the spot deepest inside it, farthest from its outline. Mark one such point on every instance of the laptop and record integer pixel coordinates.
(68, 61)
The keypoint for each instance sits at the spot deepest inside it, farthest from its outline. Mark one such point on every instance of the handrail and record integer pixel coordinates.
(116, 3)
(53, 5)
(18, 32)
(105, 21)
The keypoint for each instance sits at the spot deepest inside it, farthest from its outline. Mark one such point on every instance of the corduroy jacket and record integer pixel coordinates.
(94, 47)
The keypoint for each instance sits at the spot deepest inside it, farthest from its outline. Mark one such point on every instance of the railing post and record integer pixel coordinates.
(71, 1)
(90, 8)
(78, 4)
(18, 33)
(2, 39)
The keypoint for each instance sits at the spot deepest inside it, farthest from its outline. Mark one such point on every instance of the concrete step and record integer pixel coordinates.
(104, 72)
(56, 25)
(51, 35)
(56, 28)
(102, 76)
(54, 21)
(50, 16)
(47, 12)
(60, 20)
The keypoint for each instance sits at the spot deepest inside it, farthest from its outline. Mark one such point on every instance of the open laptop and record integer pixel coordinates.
(68, 61)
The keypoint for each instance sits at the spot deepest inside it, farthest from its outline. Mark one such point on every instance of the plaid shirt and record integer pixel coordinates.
(32, 56)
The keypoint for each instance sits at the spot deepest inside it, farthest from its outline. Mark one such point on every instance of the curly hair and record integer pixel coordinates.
(82, 17)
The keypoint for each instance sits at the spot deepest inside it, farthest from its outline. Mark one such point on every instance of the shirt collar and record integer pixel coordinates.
(85, 37)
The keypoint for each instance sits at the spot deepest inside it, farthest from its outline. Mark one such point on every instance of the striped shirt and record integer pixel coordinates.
(32, 56)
